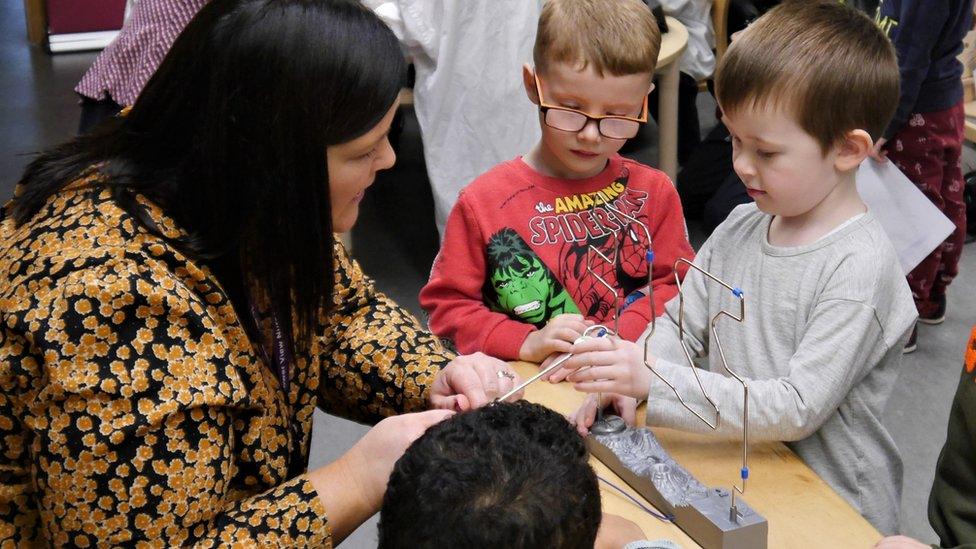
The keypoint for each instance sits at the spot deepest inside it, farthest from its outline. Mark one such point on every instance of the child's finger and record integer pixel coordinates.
(567, 335)
(605, 386)
(564, 326)
(626, 408)
(593, 373)
(593, 358)
(566, 317)
(561, 344)
(578, 326)
(558, 375)
(585, 416)
(593, 344)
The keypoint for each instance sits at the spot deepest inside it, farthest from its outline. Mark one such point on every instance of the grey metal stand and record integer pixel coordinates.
(702, 513)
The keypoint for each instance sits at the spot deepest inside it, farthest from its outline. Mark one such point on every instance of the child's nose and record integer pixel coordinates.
(743, 166)
(590, 132)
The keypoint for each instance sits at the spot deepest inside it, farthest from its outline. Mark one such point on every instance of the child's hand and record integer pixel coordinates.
(585, 415)
(615, 366)
(556, 337)
(556, 375)
(898, 542)
(878, 153)
(616, 532)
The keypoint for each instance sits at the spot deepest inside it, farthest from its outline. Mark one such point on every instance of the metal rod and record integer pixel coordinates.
(616, 303)
(744, 472)
(649, 256)
(603, 332)
(738, 294)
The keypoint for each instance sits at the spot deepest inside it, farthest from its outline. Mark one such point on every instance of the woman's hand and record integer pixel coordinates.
(585, 415)
(616, 532)
(609, 365)
(352, 487)
(557, 336)
(900, 542)
(471, 381)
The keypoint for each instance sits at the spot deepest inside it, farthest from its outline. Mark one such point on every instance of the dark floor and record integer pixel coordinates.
(395, 241)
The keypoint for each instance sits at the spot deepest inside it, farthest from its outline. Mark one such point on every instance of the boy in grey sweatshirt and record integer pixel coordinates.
(804, 91)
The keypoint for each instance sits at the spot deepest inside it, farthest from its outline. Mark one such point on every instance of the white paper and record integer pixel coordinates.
(914, 225)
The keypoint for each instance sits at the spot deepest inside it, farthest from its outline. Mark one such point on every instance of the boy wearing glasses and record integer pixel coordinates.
(532, 245)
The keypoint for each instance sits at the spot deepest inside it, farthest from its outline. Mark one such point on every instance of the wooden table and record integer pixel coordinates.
(802, 510)
(673, 44)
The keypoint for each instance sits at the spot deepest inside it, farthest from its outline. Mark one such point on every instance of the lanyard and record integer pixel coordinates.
(281, 357)
(280, 363)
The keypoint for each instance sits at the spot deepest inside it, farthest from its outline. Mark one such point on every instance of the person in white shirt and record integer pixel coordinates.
(468, 95)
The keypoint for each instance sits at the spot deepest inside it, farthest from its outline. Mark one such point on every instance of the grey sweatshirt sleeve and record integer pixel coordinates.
(837, 349)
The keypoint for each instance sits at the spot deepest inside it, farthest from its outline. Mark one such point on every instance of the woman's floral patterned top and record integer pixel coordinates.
(134, 409)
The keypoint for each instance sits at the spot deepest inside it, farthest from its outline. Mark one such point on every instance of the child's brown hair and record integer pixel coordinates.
(827, 64)
(616, 37)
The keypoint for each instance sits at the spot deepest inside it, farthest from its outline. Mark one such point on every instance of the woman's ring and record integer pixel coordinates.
(503, 373)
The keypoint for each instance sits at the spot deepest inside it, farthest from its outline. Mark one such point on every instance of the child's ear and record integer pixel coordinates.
(650, 88)
(528, 80)
(853, 148)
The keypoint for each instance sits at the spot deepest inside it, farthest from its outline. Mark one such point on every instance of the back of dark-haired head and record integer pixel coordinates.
(825, 63)
(229, 137)
(506, 475)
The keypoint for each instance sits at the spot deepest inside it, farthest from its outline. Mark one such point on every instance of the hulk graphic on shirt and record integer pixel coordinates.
(520, 285)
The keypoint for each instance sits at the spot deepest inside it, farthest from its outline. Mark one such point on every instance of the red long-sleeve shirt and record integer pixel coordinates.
(516, 248)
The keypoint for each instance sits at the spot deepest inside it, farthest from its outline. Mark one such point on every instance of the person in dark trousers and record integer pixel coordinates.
(924, 139)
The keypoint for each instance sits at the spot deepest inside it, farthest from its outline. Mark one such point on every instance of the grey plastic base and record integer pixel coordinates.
(704, 514)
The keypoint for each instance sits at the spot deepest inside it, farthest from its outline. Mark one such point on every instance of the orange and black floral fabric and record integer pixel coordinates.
(134, 409)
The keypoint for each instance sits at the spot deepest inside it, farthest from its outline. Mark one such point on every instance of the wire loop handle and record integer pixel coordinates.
(602, 330)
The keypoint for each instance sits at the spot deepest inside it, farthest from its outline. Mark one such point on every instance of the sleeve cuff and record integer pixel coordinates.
(632, 324)
(290, 514)
(505, 340)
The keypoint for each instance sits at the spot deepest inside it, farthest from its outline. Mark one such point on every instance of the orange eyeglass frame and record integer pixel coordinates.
(642, 118)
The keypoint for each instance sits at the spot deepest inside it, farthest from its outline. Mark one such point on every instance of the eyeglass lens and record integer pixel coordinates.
(613, 128)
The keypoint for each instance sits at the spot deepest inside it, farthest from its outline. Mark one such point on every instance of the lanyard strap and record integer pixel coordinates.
(281, 358)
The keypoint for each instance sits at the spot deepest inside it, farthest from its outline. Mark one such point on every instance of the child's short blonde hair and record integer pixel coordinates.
(826, 63)
(616, 37)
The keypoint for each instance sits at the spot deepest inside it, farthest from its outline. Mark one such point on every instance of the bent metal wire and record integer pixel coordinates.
(616, 302)
(739, 295)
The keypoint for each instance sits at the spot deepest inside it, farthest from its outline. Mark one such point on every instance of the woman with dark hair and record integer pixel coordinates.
(173, 305)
